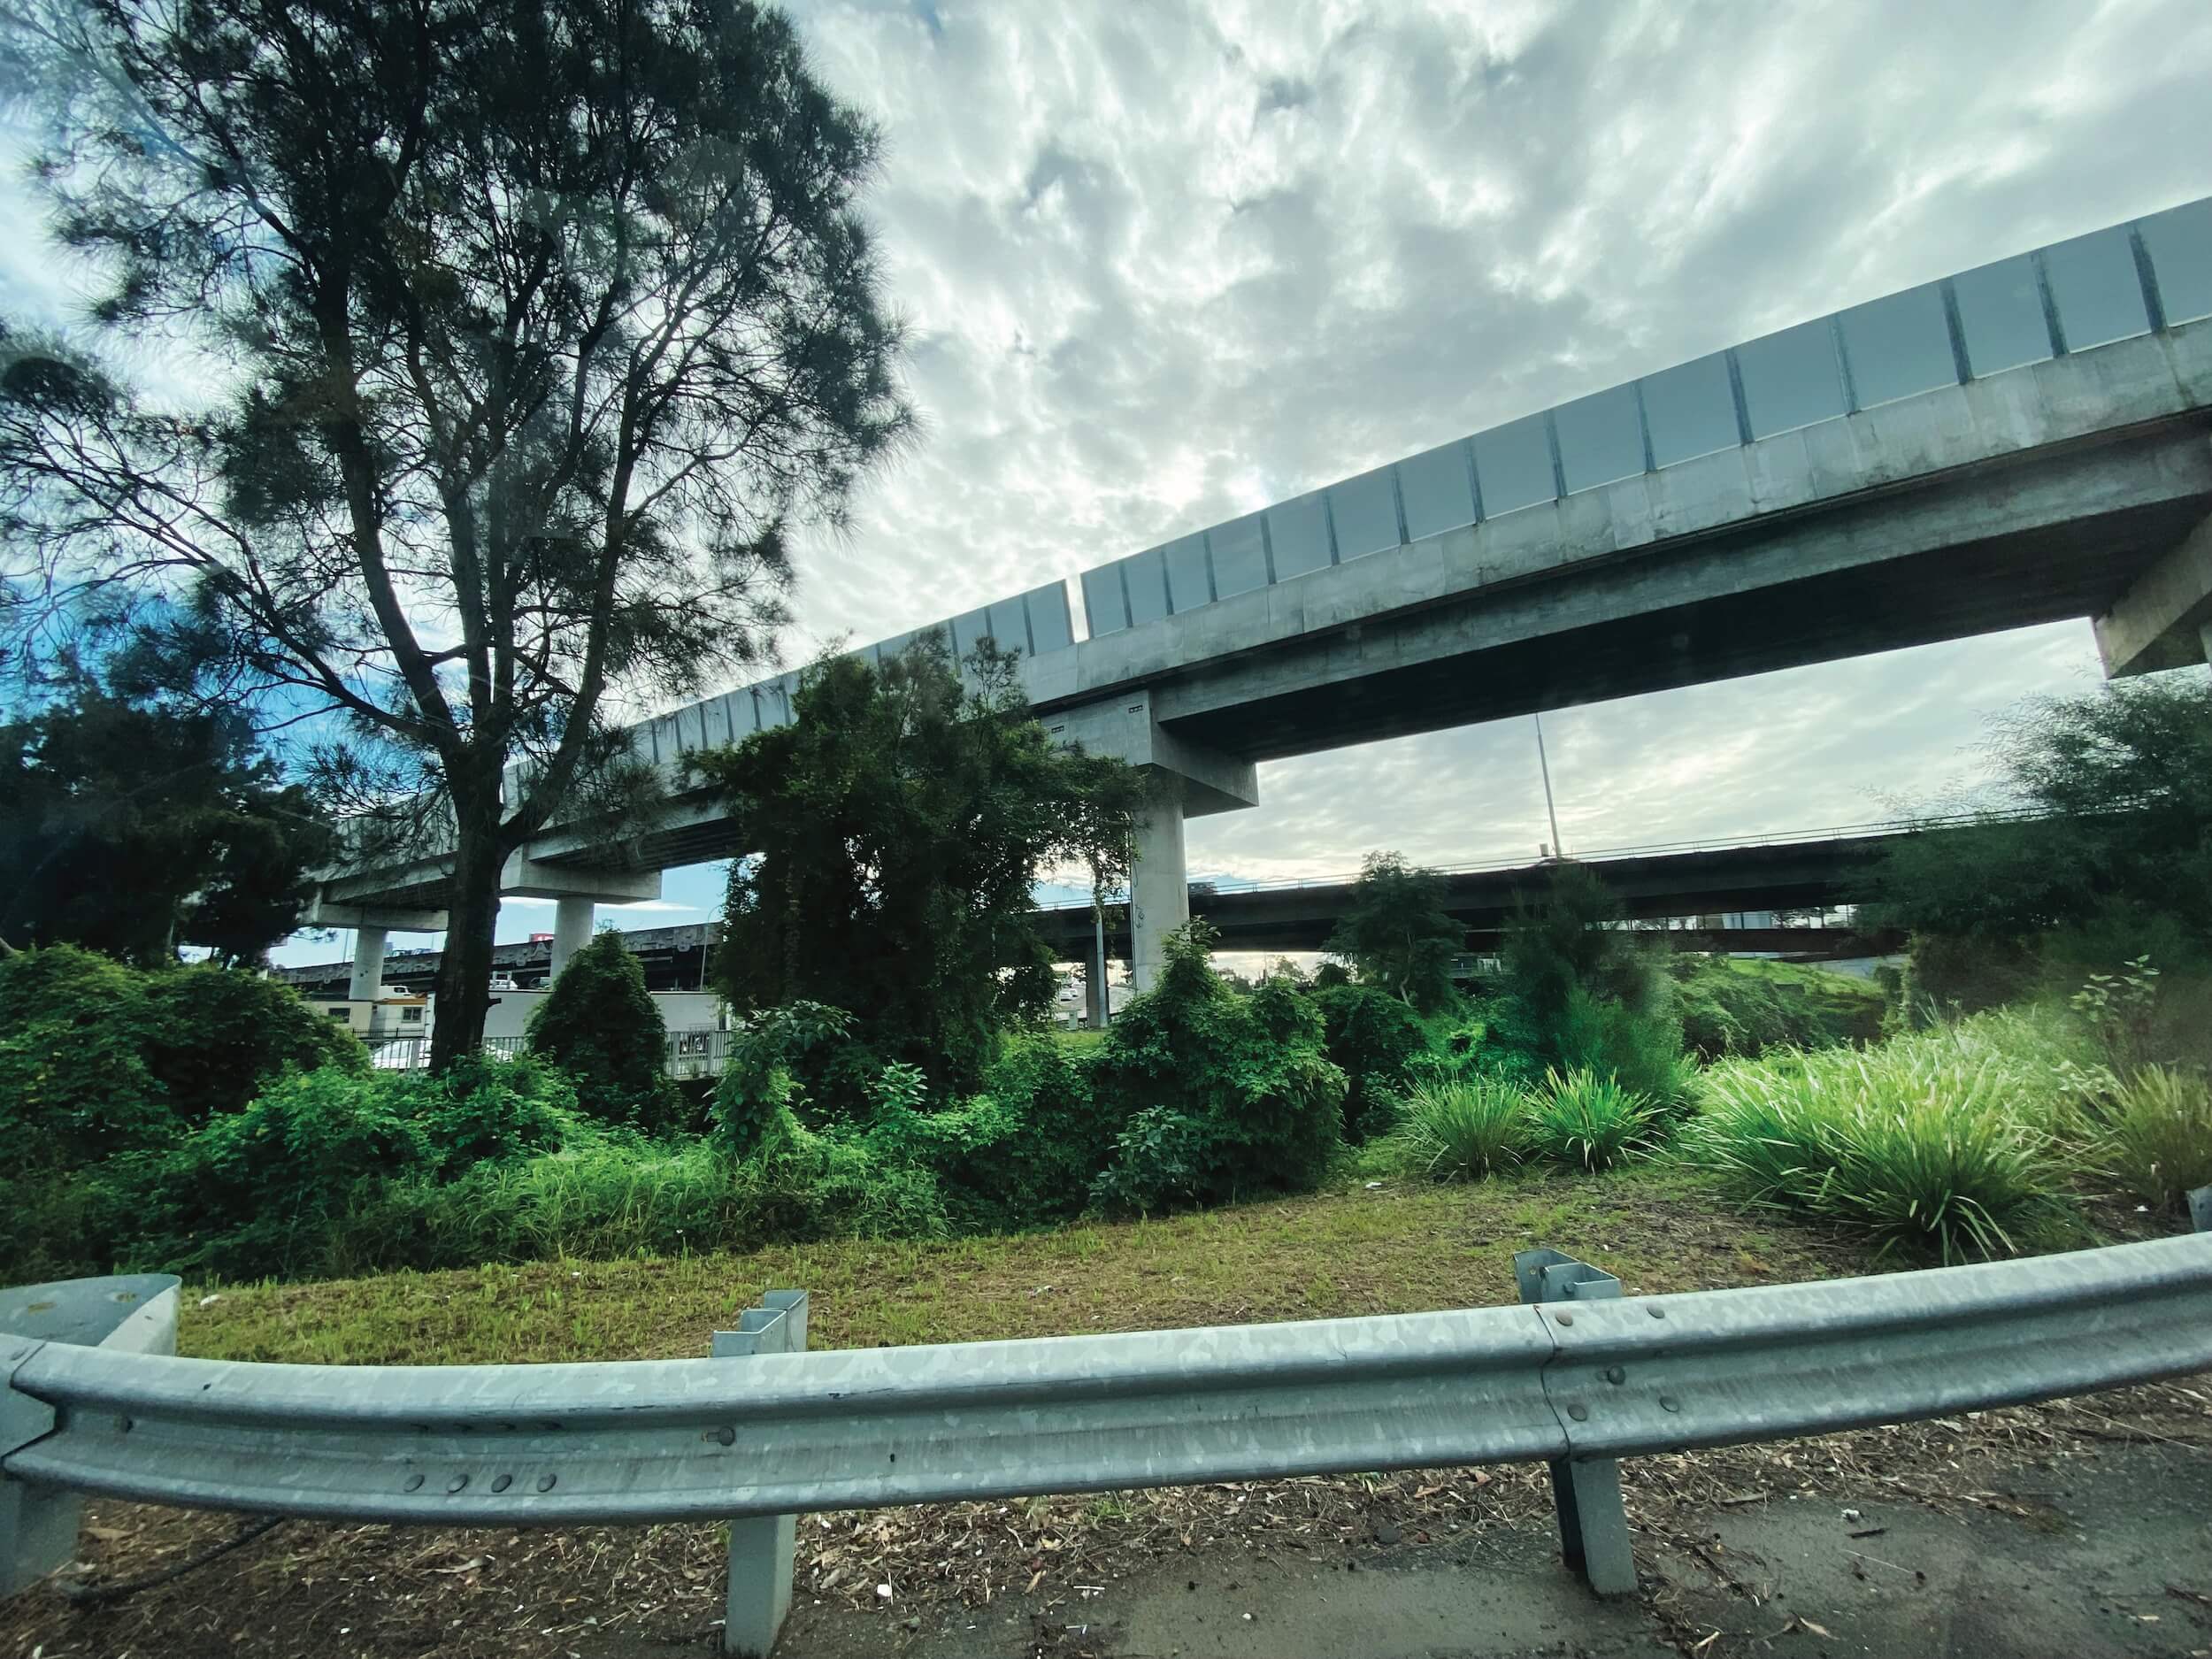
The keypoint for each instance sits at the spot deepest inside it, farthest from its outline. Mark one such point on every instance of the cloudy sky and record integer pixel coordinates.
(1167, 263)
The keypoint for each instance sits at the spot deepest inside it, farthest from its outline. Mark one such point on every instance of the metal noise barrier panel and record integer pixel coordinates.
(668, 1439)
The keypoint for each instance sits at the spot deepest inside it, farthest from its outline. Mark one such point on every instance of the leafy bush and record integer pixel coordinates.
(264, 1190)
(1371, 1036)
(483, 1109)
(97, 1058)
(1245, 1097)
(1019, 1156)
(600, 1024)
(1581, 1120)
(76, 1087)
(217, 1034)
(760, 1086)
(2153, 1135)
(1640, 1048)
(1940, 1141)
(1463, 1131)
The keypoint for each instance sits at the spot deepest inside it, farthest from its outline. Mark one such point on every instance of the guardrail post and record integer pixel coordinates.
(134, 1313)
(761, 1545)
(38, 1525)
(1585, 1491)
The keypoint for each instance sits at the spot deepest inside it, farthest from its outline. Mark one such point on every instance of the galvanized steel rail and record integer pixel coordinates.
(1567, 1380)
(648, 1440)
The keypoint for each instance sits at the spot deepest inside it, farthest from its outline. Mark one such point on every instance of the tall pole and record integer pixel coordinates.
(1098, 961)
(1550, 812)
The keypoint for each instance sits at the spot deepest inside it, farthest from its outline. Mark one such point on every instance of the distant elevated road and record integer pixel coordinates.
(1809, 870)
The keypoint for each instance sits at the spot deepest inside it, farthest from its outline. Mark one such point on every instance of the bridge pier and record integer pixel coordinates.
(368, 965)
(577, 892)
(1159, 885)
(573, 918)
(1187, 780)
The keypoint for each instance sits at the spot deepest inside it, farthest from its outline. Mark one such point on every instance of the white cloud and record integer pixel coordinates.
(1164, 263)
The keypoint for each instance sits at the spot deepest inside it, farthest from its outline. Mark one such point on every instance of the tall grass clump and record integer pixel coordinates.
(1581, 1120)
(1940, 1142)
(1463, 1129)
(2152, 1133)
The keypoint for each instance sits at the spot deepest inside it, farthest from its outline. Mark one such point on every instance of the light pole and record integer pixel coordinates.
(1551, 812)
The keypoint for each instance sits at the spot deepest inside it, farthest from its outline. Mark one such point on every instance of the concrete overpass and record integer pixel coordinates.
(2023, 443)
(1816, 871)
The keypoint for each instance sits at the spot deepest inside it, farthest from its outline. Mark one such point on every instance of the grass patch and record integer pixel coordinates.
(1581, 1120)
(1403, 1248)
(1462, 1130)
(2153, 1135)
(1947, 1141)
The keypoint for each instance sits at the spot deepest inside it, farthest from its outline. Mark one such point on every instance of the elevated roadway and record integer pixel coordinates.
(2023, 443)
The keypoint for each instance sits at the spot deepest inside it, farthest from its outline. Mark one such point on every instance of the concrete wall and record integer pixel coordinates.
(681, 1010)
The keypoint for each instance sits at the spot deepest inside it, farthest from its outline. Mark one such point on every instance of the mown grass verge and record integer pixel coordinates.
(1402, 1246)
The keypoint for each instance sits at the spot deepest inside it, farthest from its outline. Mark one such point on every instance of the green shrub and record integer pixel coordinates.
(1746, 1006)
(600, 1024)
(1581, 1120)
(1462, 1131)
(2153, 1135)
(760, 1085)
(262, 1191)
(483, 1109)
(97, 1058)
(1640, 1048)
(76, 1087)
(1017, 1156)
(1237, 1095)
(1939, 1142)
(217, 1034)
(1371, 1036)
(1162, 1158)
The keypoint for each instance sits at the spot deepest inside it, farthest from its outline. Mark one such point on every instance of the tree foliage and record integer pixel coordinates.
(527, 335)
(97, 1058)
(898, 827)
(600, 1025)
(2116, 848)
(1221, 1096)
(132, 828)
(1397, 933)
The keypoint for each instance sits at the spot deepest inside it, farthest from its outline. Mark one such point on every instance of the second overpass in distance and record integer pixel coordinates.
(1817, 871)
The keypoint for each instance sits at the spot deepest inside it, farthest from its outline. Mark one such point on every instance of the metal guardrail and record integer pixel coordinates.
(1571, 1378)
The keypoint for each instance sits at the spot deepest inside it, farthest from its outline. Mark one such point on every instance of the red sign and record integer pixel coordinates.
(540, 939)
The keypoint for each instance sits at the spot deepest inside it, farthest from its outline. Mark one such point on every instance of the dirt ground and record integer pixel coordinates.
(2081, 1528)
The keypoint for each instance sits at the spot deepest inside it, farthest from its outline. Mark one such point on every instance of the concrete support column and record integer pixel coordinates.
(573, 917)
(368, 965)
(1159, 885)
